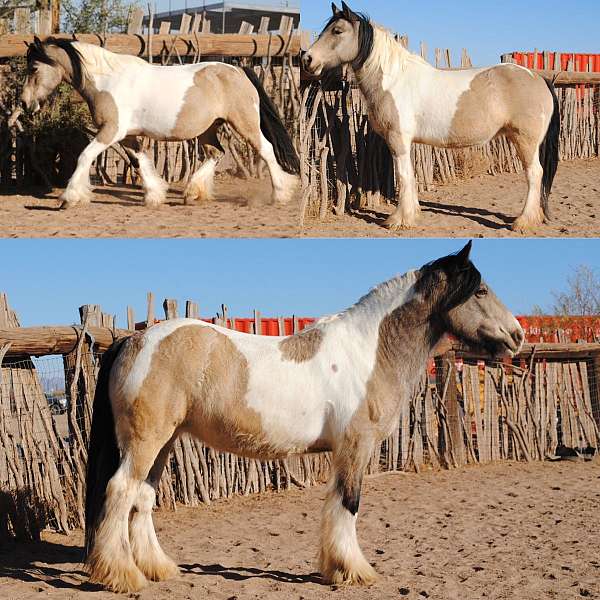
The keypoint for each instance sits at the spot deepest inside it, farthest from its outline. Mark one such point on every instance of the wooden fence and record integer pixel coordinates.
(346, 165)
(48, 158)
(465, 411)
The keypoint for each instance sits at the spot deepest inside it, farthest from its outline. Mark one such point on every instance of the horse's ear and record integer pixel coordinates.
(334, 9)
(462, 258)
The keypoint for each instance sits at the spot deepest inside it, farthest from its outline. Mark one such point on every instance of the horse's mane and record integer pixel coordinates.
(100, 61)
(379, 50)
(36, 52)
(463, 279)
(85, 58)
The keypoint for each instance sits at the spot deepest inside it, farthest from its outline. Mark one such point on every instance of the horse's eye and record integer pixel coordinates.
(337, 31)
(481, 292)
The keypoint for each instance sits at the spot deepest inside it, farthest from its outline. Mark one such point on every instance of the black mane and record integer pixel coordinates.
(365, 34)
(36, 52)
(463, 279)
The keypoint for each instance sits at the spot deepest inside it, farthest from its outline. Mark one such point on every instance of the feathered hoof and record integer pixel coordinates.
(71, 198)
(394, 223)
(118, 578)
(527, 223)
(361, 573)
(287, 191)
(159, 570)
(195, 194)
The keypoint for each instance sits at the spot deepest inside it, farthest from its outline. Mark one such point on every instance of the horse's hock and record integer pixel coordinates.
(347, 165)
(466, 411)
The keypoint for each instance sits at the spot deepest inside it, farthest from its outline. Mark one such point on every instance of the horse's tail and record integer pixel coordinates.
(273, 128)
(549, 151)
(103, 452)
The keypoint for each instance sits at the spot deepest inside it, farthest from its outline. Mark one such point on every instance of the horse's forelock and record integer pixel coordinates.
(462, 280)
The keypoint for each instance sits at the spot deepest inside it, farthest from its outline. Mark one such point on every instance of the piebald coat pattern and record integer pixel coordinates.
(338, 385)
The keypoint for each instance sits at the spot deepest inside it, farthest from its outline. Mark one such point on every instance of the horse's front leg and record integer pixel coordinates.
(79, 190)
(341, 559)
(408, 210)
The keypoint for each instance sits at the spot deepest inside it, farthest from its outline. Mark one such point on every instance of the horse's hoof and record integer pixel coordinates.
(394, 225)
(526, 224)
(287, 190)
(364, 575)
(196, 196)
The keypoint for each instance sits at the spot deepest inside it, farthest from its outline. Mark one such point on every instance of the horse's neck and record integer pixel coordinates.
(389, 65)
(392, 325)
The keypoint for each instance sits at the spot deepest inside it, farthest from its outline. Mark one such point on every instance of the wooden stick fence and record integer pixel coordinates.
(465, 411)
(346, 165)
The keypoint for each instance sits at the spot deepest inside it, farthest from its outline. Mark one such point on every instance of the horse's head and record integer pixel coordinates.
(49, 63)
(463, 305)
(347, 38)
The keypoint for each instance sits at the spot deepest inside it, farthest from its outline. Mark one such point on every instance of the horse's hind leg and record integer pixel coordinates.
(200, 186)
(155, 188)
(247, 124)
(341, 559)
(111, 561)
(147, 553)
(529, 153)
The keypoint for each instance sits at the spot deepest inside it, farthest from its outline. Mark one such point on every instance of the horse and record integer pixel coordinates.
(408, 100)
(337, 385)
(129, 97)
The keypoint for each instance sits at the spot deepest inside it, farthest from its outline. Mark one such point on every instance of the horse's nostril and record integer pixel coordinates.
(307, 60)
(517, 336)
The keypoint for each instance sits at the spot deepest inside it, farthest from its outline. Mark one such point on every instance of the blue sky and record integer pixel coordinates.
(485, 29)
(46, 280)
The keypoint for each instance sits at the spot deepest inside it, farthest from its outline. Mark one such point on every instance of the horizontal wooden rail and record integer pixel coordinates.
(208, 44)
(556, 351)
(570, 77)
(60, 339)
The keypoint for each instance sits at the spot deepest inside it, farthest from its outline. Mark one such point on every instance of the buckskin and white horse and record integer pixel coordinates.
(408, 100)
(129, 97)
(339, 385)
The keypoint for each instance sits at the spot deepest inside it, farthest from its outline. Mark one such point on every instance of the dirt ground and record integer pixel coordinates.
(241, 208)
(502, 531)
(483, 206)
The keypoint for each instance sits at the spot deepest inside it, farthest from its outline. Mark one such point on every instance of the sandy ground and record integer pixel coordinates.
(241, 208)
(486, 205)
(483, 206)
(501, 531)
